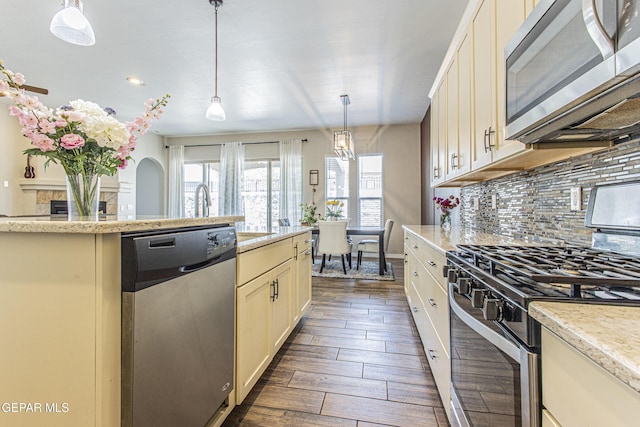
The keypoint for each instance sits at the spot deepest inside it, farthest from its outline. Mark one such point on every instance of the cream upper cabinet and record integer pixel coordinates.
(438, 134)
(451, 146)
(465, 110)
(436, 174)
(510, 15)
(482, 29)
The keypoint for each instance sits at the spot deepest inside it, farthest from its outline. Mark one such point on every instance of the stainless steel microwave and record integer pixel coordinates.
(573, 72)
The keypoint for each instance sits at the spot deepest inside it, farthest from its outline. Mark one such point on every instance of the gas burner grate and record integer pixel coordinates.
(563, 265)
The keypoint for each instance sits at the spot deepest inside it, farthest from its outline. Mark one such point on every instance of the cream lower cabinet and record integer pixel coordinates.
(302, 275)
(428, 301)
(577, 392)
(274, 290)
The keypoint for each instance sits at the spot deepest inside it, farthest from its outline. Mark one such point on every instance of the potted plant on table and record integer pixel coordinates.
(309, 214)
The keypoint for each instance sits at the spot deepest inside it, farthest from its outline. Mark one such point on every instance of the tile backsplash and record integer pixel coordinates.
(536, 204)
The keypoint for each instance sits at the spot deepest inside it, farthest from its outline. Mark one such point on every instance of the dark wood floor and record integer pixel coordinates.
(355, 359)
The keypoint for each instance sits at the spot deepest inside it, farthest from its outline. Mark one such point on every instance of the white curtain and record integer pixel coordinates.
(176, 181)
(291, 180)
(231, 173)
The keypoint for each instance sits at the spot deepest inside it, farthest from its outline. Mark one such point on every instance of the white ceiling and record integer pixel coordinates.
(283, 64)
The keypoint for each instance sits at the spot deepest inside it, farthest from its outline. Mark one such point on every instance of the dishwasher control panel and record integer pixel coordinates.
(219, 242)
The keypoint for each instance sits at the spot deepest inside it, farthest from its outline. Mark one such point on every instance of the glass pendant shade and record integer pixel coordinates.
(215, 110)
(343, 144)
(70, 25)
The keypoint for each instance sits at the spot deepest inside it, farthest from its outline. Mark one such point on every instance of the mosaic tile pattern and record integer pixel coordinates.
(535, 204)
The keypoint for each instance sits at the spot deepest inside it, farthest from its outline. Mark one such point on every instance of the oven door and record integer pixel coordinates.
(494, 379)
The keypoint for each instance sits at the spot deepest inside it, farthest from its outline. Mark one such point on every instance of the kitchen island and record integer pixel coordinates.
(60, 313)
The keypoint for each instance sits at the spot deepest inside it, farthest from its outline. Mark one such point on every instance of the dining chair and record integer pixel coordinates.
(333, 240)
(373, 245)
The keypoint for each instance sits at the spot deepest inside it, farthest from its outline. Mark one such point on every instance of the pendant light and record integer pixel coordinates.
(215, 110)
(70, 25)
(342, 139)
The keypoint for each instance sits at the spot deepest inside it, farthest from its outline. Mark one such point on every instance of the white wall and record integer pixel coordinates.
(399, 144)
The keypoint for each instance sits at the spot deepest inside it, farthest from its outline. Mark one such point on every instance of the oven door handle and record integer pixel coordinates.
(505, 345)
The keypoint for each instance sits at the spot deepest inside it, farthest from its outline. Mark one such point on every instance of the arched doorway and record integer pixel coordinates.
(149, 188)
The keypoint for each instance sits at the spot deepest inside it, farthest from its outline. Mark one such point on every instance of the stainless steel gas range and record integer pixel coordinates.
(495, 344)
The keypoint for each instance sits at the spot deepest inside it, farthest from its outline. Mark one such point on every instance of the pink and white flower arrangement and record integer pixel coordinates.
(83, 137)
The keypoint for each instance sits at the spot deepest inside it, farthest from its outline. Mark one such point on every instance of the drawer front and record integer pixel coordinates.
(438, 360)
(304, 242)
(255, 262)
(434, 261)
(437, 306)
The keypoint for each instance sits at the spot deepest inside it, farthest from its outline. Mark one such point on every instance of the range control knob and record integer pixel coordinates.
(464, 285)
(452, 275)
(477, 297)
(492, 309)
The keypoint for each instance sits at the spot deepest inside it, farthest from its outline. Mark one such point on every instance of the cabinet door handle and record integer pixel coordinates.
(415, 274)
(436, 175)
(432, 302)
(415, 309)
(273, 291)
(431, 263)
(454, 164)
(415, 246)
(431, 354)
(488, 146)
(406, 258)
(307, 252)
(295, 251)
(277, 293)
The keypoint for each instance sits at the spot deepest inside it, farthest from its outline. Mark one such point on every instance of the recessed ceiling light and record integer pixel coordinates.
(135, 81)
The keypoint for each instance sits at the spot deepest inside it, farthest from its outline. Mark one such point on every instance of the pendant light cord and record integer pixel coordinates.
(217, 6)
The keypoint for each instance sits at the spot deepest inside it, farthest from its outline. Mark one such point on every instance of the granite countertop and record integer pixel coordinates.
(109, 224)
(249, 239)
(447, 240)
(612, 342)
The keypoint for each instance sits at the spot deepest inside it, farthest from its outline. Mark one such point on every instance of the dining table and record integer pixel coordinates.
(366, 231)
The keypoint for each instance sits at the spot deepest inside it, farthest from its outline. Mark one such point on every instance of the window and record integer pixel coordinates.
(261, 193)
(198, 173)
(370, 201)
(337, 182)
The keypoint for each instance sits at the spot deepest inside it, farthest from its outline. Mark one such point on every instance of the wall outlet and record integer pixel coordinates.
(476, 203)
(576, 198)
(494, 201)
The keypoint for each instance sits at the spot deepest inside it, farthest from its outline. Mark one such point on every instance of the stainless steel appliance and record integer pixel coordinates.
(495, 345)
(178, 309)
(572, 72)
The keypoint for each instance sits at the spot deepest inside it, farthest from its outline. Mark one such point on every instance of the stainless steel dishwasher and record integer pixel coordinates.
(178, 308)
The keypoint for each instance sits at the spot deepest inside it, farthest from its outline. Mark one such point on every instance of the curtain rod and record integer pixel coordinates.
(215, 144)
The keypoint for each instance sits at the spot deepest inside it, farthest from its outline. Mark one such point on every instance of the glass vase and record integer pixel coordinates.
(445, 220)
(83, 197)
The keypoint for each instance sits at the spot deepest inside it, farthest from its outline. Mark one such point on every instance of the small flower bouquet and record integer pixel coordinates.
(445, 206)
(334, 208)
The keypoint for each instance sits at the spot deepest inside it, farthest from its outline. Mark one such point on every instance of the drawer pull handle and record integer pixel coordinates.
(415, 309)
(415, 274)
(431, 263)
(432, 302)
(432, 354)
(308, 241)
(415, 246)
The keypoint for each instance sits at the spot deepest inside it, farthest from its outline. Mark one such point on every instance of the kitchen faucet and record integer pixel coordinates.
(206, 202)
